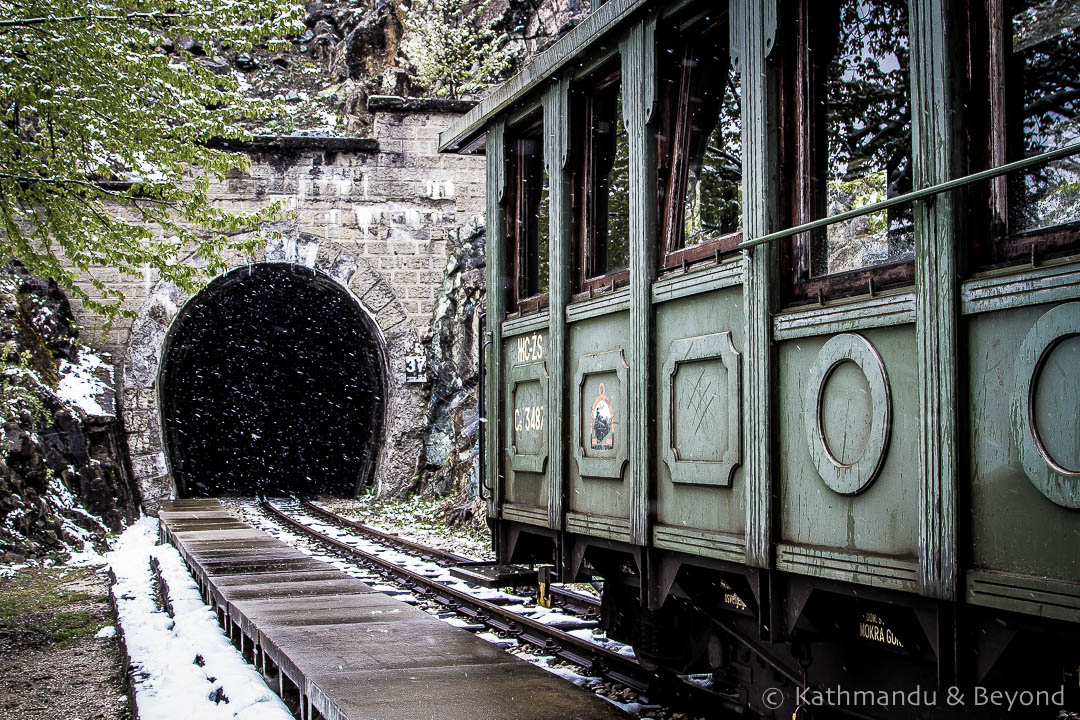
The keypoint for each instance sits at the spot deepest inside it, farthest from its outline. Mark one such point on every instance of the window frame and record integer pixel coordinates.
(585, 181)
(802, 141)
(687, 31)
(995, 141)
(524, 188)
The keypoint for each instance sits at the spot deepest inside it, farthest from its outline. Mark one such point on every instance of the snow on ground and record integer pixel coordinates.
(170, 683)
(8, 570)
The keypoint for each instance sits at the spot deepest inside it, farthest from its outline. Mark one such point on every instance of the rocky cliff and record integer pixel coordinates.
(62, 483)
(450, 465)
(350, 52)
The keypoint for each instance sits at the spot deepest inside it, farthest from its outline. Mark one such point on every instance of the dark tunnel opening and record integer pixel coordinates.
(272, 379)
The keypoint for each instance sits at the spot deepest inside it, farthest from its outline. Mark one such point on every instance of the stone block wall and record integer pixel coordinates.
(379, 217)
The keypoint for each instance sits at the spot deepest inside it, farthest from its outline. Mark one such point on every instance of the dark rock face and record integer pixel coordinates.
(217, 64)
(348, 52)
(372, 45)
(61, 478)
(450, 465)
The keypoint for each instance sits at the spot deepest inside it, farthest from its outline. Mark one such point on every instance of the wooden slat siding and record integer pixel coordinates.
(601, 22)
(1038, 596)
(496, 299)
(719, 545)
(639, 99)
(612, 302)
(556, 139)
(1018, 289)
(759, 218)
(875, 312)
(936, 300)
(528, 515)
(525, 325)
(863, 568)
(695, 282)
(604, 526)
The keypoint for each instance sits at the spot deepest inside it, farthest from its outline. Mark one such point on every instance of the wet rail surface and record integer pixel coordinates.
(336, 649)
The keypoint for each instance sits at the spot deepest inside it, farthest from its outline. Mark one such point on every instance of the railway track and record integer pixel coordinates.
(563, 597)
(554, 639)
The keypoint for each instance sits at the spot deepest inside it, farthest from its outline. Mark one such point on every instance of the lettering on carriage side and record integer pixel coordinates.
(530, 348)
(602, 422)
(529, 418)
(872, 627)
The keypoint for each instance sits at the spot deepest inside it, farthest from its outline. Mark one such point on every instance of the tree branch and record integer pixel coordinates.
(127, 17)
(29, 179)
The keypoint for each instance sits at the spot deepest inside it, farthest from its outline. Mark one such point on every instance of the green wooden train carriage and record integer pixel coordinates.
(784, 334)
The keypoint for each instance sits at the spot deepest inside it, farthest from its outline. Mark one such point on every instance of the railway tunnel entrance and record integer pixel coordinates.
(273, 378)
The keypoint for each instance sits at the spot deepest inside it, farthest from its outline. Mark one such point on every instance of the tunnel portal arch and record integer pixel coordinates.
(273, 378)
(144, 349)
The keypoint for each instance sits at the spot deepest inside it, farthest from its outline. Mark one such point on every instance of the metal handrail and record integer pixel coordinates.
(1062, 152)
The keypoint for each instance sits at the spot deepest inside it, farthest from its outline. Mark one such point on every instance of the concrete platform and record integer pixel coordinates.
(335, 649)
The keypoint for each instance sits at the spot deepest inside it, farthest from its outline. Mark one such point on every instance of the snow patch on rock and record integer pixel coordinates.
(86, 385)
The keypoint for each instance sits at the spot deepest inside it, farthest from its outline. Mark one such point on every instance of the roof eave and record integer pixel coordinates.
(464, 133)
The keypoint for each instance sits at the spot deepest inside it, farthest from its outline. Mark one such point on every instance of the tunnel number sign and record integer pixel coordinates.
(415, 369)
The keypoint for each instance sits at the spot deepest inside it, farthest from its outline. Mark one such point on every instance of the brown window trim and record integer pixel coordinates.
(801, 201)
(714, 249)
(672, 171)
(603, 283)
(584, 205)
(521, 196)
(861, 281)
(530, 305)
(985, 80)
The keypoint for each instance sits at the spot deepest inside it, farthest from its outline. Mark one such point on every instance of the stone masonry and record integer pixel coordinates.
(380, 218)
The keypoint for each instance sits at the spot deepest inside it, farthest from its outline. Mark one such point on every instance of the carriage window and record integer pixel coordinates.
(699, 142)
(1025, 85)
(1043, 103)
(528, 218)
(849, 137)
(601, 201)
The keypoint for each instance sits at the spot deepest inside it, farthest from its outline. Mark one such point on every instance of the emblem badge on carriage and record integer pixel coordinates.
(601, 422)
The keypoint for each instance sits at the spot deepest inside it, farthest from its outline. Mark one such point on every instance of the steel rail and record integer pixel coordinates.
(569, 598)
(426, 551)
(599, 661)
(559, 643)
(920, 194)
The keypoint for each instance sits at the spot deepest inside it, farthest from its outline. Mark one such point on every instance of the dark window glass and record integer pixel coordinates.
(615, 180)
(527, 217)
(1042, 103)
(601, 200)
(847, 143)
(1023, 98)
(867, 128)
(543, 233)
(699, 141)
